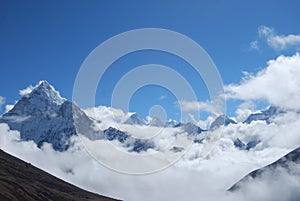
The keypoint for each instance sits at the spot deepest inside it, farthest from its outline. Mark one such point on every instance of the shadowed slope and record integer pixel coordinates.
(22, 181)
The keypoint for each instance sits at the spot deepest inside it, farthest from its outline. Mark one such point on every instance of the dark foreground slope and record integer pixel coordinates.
(21, 181)
(290, 163)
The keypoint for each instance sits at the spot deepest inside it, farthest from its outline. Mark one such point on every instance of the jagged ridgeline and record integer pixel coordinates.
(44, 116)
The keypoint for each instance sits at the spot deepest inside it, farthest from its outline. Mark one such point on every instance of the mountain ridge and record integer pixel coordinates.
(284, 162)
(42, 115)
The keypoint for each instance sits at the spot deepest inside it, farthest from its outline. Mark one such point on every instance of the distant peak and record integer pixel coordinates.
(135, 118)
(264, 115)
(221, 120)
(222, 116)
(135, 114)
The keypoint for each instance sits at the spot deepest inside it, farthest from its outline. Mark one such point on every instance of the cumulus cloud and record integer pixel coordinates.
(78, 167)
(244, 110)
(278, 83)
(26, 91)
(193, 177)
(275, 41)
(188, 178)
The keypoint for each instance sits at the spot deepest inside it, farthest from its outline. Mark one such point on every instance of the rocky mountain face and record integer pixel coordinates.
(264, 115)
(246, 146)
(221, 120)
(191, 129)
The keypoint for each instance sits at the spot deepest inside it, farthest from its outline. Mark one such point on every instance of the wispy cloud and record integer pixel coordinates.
(2, 101)
(275, 41)
(205, 106)
(162, 97)
(254, 45)
(26, 91)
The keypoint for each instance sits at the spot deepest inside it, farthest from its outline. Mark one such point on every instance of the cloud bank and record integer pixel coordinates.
(191, 178)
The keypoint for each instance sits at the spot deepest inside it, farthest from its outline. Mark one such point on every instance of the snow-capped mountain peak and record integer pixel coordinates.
(135, 118)
(42, 100)
(156, 121)
(44, 116)
(221, 120)
(44, 91)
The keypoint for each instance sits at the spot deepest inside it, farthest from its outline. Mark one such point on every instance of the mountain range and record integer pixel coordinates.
(44, 116)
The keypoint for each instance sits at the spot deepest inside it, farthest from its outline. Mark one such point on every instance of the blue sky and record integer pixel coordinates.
(50, 40)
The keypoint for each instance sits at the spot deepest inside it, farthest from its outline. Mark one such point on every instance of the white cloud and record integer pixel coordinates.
(206, 106)
(275, 41)
(26, 91)
(2, 100)
(162, 97)
(8, 108)
(185, 180)
(204, 124)
(278, 83)
(244, 110)
(273, 184)
(190, 177)
(254, 45)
